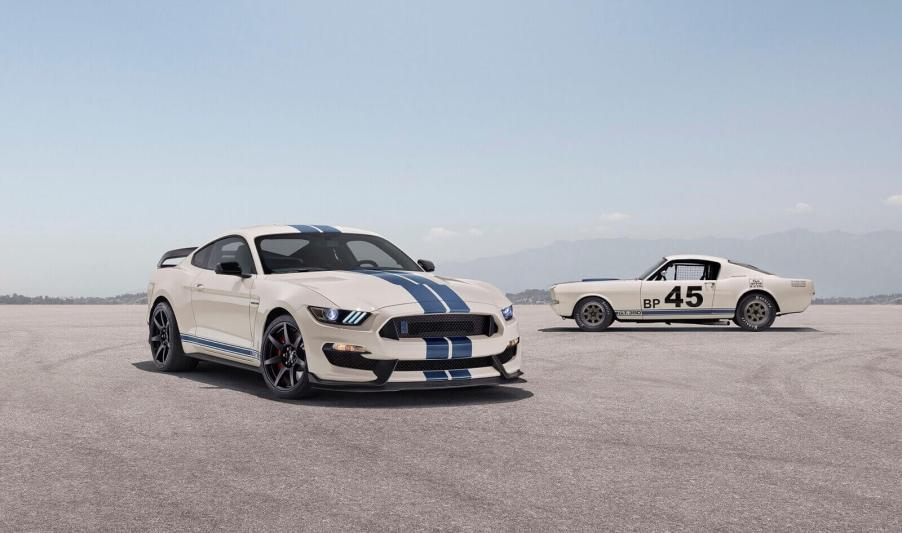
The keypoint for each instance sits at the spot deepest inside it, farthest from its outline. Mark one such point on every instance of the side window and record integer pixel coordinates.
(201, 258)
(689, 272)
(369, 255)
(686, 271)
(231, 249)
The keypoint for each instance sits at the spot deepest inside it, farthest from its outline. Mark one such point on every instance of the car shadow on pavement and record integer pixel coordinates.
(681, 329)
(215, 376)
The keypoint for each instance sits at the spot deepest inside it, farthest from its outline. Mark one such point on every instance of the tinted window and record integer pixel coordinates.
(751, 267)
(201, 257)
(231, 249)
(330, 251)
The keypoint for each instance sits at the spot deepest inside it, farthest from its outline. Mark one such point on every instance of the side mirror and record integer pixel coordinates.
(428, 266)
(231, 268)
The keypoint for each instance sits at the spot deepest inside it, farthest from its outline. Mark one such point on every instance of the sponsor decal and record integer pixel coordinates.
(756, 284)
(799, 283)
(629, 312)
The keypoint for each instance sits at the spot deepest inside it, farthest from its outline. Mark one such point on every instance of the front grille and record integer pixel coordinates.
(438, 326)
(443, 364)
(355, 360)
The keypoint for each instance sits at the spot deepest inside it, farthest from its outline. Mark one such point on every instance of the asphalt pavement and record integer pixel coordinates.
(638, 428)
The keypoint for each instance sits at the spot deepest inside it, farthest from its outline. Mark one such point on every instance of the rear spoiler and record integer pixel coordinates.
(174, 254)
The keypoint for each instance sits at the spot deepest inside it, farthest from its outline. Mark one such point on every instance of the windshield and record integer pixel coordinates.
(308, 252)
(653, 269)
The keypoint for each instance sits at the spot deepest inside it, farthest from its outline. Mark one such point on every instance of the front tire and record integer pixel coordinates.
(165, 341)
(593, 314)
(284, 360)
(755, 312)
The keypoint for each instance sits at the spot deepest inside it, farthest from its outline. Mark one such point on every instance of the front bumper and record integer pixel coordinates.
(444, 373)
(394, 364)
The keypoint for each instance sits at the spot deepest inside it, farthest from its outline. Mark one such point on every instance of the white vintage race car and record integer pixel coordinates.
(327, 307)
(692, 289)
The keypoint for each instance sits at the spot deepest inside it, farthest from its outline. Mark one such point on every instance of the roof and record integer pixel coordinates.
(284, 229)
(696, 256)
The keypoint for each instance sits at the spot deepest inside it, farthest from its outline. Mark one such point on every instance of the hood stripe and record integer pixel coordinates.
(454, 302)
(427, 300)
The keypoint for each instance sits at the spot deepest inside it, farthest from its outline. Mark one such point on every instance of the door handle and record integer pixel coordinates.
(199, 286)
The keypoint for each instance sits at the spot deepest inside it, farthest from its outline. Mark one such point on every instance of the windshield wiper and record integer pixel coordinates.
(307, 269)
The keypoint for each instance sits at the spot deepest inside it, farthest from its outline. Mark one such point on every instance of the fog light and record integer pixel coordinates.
(341, 347)
(513, 342)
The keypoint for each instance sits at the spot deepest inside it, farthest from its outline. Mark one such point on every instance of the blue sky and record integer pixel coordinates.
(458, 129)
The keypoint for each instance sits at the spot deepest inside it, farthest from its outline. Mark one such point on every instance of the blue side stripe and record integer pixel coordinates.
(687, 311)
(436, 348)
(446, 293)
(421, 294)
(460, 374)
(461, 347)
(304, 228)
(326, 229)
(435, 375)
(231, 348)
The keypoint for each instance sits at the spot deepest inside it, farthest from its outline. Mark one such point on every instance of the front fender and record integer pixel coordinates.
(291, 298)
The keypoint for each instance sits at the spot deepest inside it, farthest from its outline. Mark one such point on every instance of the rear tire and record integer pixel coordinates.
(165, 341)
(593, 314)
(755, 312)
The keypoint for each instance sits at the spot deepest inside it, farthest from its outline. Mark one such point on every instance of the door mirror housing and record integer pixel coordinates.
(428, 266)
(231, 268)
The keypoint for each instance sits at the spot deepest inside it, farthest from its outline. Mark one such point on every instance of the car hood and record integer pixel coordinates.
(370, 290)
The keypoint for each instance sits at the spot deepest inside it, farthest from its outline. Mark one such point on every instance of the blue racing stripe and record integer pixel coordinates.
(427, 300)
(436, 348)
(304, 228)
(460, 374)
(435, 375)
(326, 229)
(231, 348)
(687, 311)
(461, 347)
(455, 303)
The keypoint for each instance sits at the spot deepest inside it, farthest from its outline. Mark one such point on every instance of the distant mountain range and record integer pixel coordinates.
(841, 264)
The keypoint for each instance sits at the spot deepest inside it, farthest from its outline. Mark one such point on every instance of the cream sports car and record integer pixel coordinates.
(691, 289)
(327, 307)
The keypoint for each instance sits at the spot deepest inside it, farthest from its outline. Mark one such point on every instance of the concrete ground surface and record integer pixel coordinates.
(638, 428)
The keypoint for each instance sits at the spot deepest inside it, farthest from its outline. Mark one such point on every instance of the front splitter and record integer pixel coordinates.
(390, 386)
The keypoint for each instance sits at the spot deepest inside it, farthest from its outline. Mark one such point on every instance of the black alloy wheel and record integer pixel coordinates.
(284, 359)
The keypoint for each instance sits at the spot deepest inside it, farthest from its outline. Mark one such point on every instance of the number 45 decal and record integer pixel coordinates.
(694, 296)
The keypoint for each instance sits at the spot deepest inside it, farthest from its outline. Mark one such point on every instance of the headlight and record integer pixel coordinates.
(331, 315)
(508, 312)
